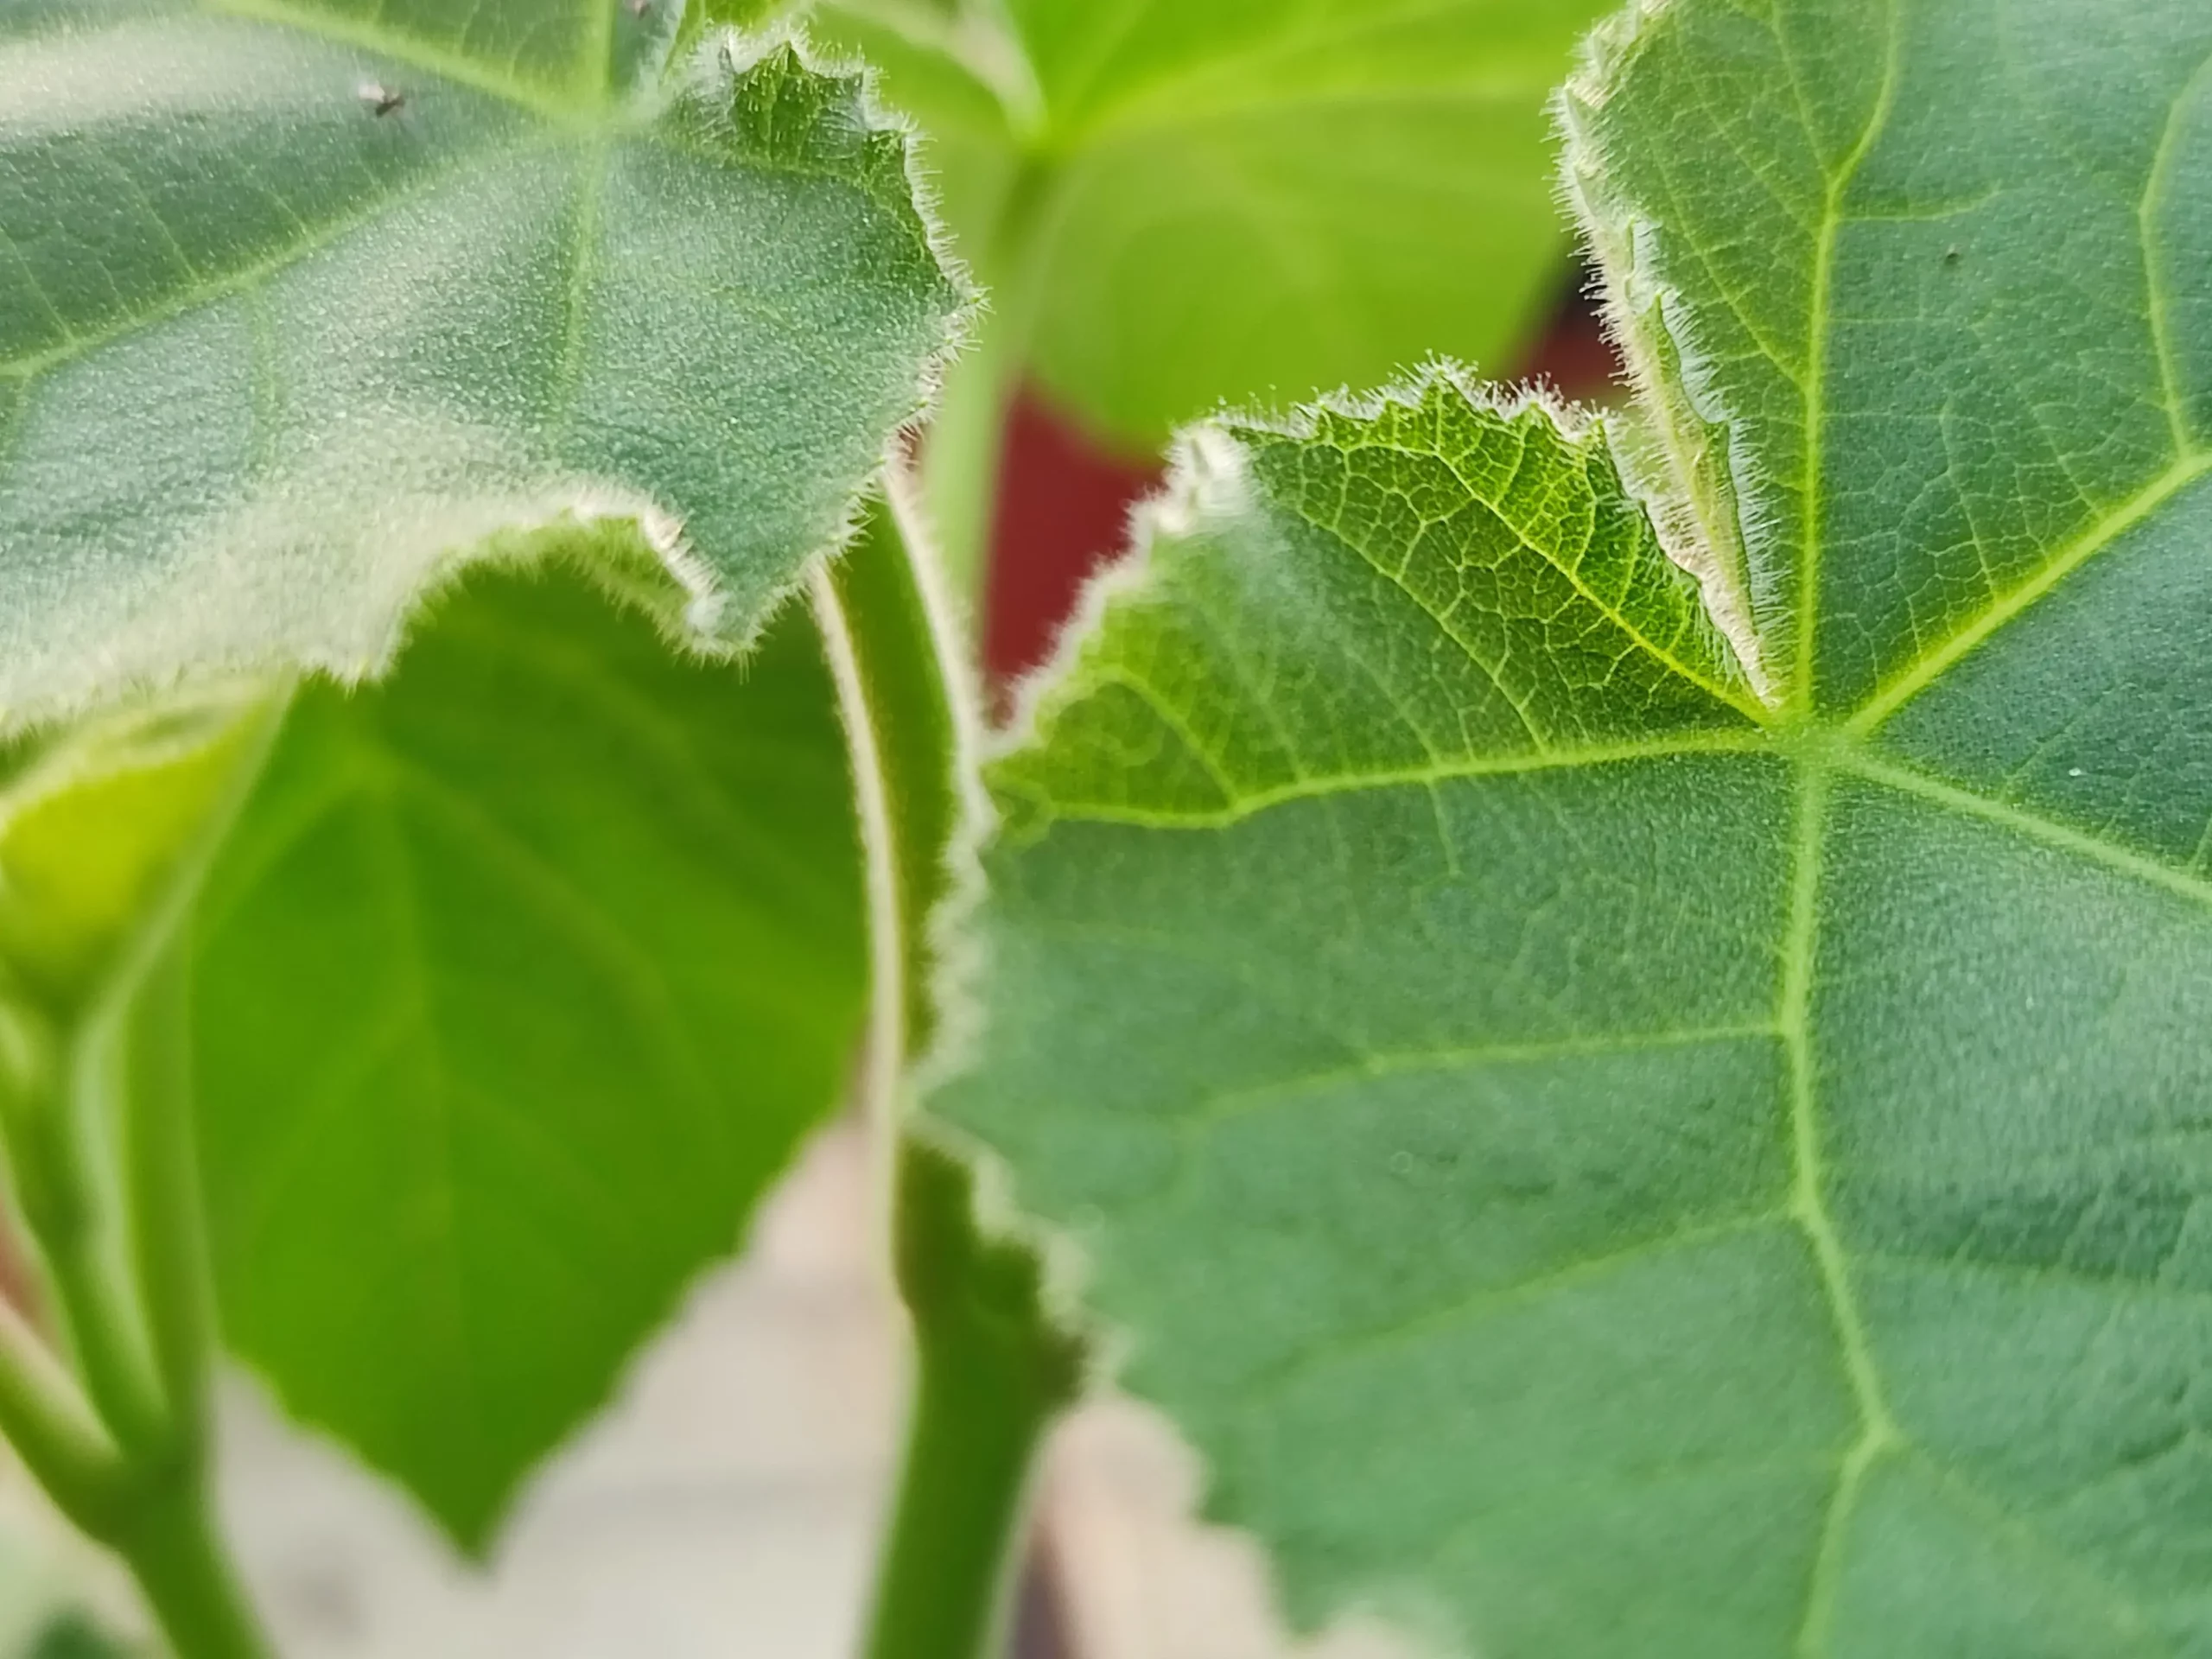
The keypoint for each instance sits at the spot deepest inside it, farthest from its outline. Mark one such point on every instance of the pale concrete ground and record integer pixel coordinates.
(727, 1505)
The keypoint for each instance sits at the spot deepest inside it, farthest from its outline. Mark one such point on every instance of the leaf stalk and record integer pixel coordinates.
(991, 1372)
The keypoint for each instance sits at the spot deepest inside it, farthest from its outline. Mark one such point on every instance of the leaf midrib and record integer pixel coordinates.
(1818, 754)
(1878, 1429)
(1833, 748)
(1819, 322)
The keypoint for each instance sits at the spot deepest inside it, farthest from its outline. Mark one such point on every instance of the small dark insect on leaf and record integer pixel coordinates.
(1951, 255)
(380, 98)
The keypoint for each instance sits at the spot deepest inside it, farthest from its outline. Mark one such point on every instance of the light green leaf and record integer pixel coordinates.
(516, 985)
(1177, 205)
(1265, 199)
(1599, 1161)
(103, 827)
(298, 303)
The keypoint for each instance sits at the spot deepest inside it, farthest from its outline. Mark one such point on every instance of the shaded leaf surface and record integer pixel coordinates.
(515, 986)
(298, 302)
(1600, 1162)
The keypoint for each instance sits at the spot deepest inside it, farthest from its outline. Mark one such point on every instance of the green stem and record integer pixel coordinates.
(52, 1430)
(906, 705)
(966, 444)
(95, 1106)
(55, 1104)
(991, 1371)
(161, 1170)
(992, 1375)
(963, 456)
(170, 1544)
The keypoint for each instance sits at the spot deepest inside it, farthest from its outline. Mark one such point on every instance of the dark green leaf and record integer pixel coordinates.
(1599, 1161)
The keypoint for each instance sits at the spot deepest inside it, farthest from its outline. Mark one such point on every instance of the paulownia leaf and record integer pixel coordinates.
(1183, 203)
(1600, 1162)
(515, 986)
(302, 299)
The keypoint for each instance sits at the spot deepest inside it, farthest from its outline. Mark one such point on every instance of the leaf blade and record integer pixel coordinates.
(331, 407)
(479, 1092)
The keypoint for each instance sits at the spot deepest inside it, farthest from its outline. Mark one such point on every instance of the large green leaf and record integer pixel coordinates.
(299, 301)
(1600, 1160)
(1182, 204)
(515, 986)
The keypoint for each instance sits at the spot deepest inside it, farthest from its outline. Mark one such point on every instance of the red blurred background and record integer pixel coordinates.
(1064, 503)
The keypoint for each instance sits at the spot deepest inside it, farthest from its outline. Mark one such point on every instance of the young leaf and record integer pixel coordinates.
(299, 303)
(1598, 1159)
(1275, 197)
(515, 986)
(1178, 204)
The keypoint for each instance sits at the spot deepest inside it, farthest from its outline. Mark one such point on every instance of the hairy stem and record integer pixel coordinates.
(992, 1375)
(991, 1372)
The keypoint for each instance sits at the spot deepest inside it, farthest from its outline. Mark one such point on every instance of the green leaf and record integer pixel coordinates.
(515, 986)
(103, 827)
(1598, 1160)
(1180, 204)
(1262, 198)
(1268, 198)
(299, 303)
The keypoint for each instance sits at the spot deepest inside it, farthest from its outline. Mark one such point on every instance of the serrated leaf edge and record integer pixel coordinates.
(493, 525)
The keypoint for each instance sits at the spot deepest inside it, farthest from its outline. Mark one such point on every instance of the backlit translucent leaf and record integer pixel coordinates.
(298, 303)
(1599, 1162)
(1273, 196)
(515, 986)
(1181, 204)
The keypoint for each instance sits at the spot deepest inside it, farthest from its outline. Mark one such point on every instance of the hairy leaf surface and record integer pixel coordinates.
(1598, 1159)
(515, 986)
(520, 978)
(300, 301)
(1182, 204)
